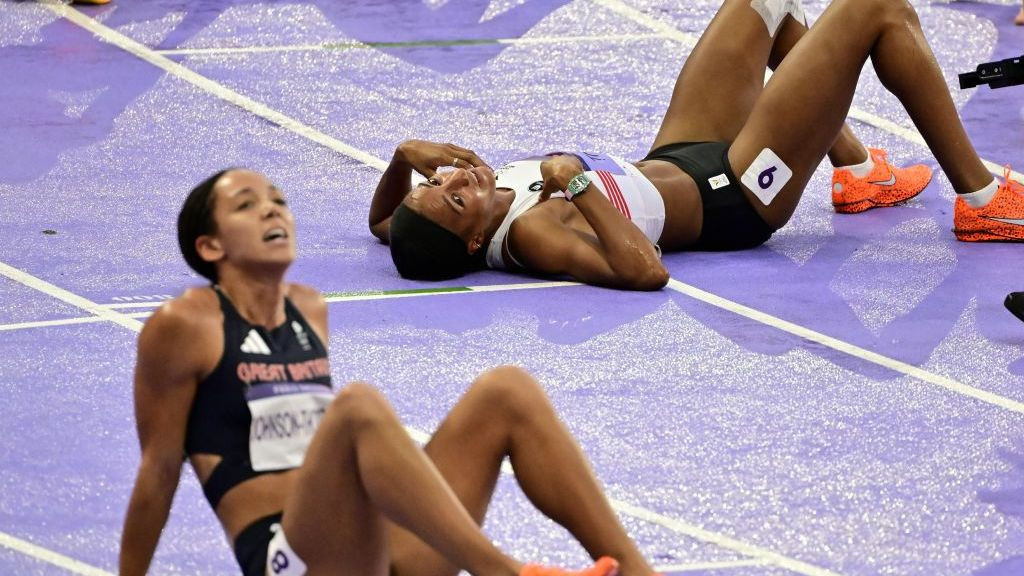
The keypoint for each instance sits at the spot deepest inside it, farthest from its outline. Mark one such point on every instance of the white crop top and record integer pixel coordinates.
(621, 182)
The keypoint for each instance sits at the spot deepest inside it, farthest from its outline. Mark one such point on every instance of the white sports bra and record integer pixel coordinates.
(621, 182)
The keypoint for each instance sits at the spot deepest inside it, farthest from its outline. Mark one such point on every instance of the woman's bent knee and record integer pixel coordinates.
(511, 390)
(358, 402)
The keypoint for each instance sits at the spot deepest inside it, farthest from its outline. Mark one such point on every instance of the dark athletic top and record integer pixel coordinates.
(260, 406)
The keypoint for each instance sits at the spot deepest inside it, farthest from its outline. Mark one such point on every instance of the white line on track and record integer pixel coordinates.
(70, 564)
(65, 296)
(703, 566)
(356, 45)
(65, 322)
(847, 348)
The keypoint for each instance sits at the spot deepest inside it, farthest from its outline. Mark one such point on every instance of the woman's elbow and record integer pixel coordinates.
(655, 279)
(649, 278)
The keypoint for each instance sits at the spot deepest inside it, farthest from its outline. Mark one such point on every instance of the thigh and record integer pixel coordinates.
(468, 449)
(329, 520)
(720, 80)
(804, 105)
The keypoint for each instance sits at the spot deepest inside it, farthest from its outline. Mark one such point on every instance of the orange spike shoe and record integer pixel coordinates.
(887, 185)
(1001, 220)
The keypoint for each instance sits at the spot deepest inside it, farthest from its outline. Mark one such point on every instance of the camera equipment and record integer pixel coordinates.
(1009, 72)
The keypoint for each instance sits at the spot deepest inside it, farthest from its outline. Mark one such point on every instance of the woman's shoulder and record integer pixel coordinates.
(195, 310)
(301, 294)
(311, 304)
(308, 300)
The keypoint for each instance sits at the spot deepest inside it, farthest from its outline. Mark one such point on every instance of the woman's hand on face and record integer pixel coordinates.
(557, 171)
(426, 157)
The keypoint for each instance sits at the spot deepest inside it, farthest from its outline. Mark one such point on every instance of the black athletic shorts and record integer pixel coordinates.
(730, 222)
(252, 543)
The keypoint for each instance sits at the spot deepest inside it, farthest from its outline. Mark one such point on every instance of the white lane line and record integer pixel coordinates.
(522, 286)
(661, 28)
(676, 568)
(689, 41)
(357, 45)
(65, 296)
(763, 554)
(847, 348)
(388, 294)
(126, 305)
(65, 321)
(49, 556)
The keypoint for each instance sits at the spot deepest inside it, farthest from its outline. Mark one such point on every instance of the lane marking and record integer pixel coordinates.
(65, 322)
(357, 45)
(63, 295)
(676, 568)
(49, 556)
(354, 296)
(846, 348)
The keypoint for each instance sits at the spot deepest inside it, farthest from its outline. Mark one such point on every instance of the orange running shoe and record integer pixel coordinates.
(1001, 220)
(887, 185)
(604, 566)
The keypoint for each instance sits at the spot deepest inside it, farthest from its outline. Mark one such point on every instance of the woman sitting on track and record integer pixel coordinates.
(726, 170)
(236, 377)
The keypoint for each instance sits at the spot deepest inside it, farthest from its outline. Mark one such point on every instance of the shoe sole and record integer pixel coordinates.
(984, 236)
(868, 204)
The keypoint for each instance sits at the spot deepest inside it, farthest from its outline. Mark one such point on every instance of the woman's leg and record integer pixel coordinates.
(847, 150)
(805, 104)
(724, 75)
(720, 80)
(505, 413)
(362, 467)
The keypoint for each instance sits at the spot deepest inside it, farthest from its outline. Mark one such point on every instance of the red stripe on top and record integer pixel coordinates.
(609, 182)
(614, 192)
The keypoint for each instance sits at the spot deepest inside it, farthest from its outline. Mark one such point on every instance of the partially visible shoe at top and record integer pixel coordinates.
(1001, 220)
(604, 566)
(885, 185)
(90, 2)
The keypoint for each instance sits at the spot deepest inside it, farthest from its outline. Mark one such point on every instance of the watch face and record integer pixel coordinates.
(578, 184)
